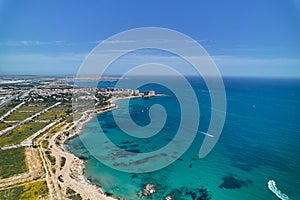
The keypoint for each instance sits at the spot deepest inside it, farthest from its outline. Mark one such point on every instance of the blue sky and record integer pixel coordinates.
(245, 38)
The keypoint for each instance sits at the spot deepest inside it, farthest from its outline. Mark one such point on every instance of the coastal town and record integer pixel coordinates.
(36, 118)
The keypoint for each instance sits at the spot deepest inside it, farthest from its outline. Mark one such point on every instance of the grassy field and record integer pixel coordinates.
(32, 191)
(12, 161)
(51, 158)
(60, 108)
(20, 133)
(54, 113)
(69, 118)
(7, 108)
(5, 125)
(19, 116)
(71, 194)
(50, 115)
(33, 107)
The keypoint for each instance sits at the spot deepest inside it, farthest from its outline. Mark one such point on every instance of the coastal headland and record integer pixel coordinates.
(34, 128)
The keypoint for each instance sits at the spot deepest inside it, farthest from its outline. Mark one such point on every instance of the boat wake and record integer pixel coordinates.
(276, 191)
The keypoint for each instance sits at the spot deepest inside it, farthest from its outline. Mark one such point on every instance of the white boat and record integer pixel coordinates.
(209, 135)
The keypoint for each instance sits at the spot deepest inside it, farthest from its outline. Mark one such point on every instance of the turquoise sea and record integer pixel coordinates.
(260, 141)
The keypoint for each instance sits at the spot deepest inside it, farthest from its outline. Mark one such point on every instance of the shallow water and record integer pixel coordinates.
(259, 142)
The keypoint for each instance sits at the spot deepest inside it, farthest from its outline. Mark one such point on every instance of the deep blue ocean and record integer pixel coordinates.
(260, 141)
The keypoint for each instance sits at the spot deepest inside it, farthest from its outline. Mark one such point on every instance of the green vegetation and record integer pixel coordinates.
(45, 144)
(70, 191)
(50, 131)
(71, 194)
(55, 113)
(19, 116)
(51, 158)
(11, 193)
(51, 115)
(5, 125)
(64, 107)
(60, 178)
(75, 197)
(7, 108)
(12, 161)
(33, 108)
(32, 191)
(62, 162)
(69, 118)
(20, 133)
(53, 169)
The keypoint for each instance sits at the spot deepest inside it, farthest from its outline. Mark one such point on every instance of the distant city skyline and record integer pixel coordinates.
(245, 38)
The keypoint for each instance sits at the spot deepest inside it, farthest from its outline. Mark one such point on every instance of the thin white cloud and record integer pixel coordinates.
(112, 41)
(119, 41)
(32, 43)
(95, 42)
(138, 40)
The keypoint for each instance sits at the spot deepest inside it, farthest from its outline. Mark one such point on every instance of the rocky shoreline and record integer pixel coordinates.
(77, 166)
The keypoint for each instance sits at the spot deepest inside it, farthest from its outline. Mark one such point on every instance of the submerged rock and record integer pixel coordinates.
(230, 182)
(191, 193)
(149, 189)
(169, 197)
